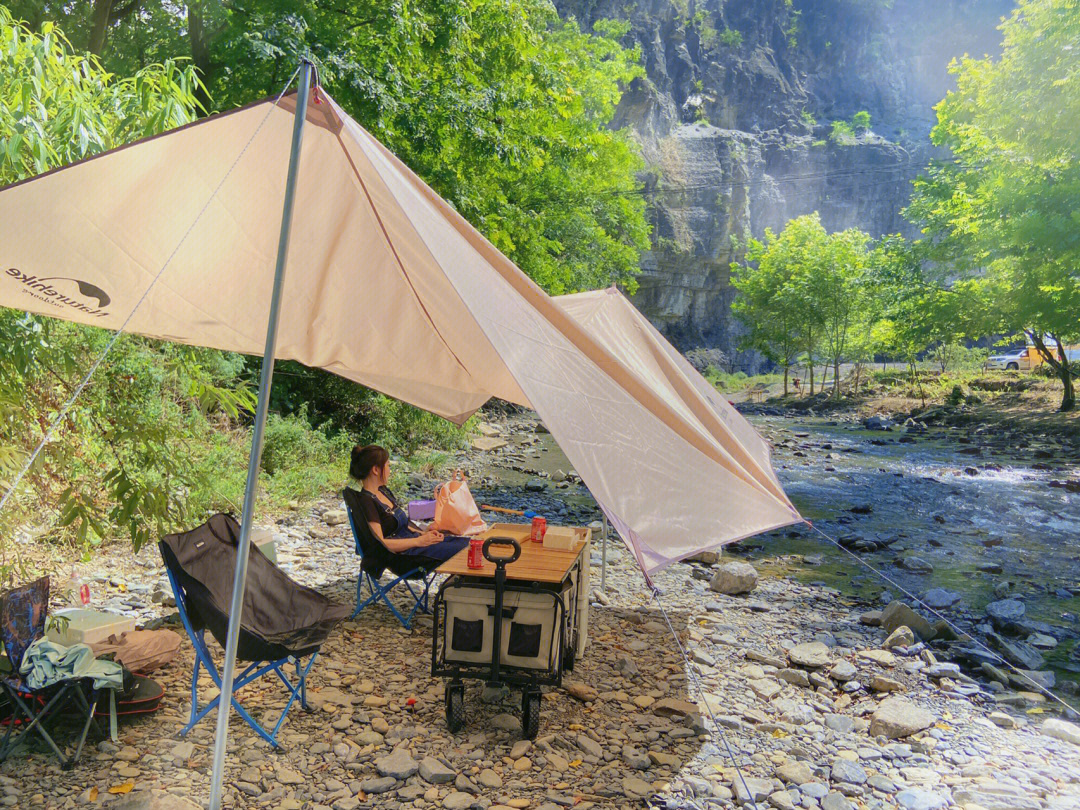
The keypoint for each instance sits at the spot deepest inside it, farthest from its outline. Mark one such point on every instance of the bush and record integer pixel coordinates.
(731, 37)
(842, 133)
(955, 397)
(861, 121)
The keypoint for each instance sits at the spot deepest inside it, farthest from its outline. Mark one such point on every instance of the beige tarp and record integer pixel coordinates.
(388, 286)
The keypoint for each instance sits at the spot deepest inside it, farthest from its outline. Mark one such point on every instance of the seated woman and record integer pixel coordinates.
(369, 474)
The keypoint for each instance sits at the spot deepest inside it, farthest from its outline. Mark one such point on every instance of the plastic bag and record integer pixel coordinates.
(455, 509)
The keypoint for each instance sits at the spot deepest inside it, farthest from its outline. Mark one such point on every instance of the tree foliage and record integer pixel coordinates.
(503, 107)
(1004, 214)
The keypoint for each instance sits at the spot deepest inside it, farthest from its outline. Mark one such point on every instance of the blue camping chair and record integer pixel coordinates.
(283, 622)
(375, 558)
(22, 622)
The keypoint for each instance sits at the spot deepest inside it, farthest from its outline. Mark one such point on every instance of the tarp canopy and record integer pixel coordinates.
(389, 286)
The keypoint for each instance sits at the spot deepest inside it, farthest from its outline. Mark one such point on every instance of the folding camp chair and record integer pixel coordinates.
(22, 622)
(282, 623)
(375, 558)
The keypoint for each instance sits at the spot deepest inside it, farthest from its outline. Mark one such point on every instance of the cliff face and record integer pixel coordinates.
(734, 121)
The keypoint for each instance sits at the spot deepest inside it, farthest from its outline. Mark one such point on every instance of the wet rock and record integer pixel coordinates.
(812, 654)
(898, 717)
(1061, 730)
(916, 565)
(897, 614)
(734, 578)
(1017, 652)
(879, 423)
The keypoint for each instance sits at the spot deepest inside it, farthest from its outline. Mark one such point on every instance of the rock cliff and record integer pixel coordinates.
(734, 118)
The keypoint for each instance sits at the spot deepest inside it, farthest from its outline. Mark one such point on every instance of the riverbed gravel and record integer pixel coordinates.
(788, 701)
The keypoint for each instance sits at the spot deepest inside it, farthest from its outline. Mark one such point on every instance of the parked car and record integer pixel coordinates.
(1015, 359)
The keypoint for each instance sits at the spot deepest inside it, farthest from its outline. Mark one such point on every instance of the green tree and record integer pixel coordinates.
(841, 293)
(1004, 214)
(503, 107)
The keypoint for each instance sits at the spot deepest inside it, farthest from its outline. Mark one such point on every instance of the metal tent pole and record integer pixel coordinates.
(244, 547)
(603, 556)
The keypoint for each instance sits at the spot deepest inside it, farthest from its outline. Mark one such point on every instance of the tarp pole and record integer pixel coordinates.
(603, 556)
(244, 547)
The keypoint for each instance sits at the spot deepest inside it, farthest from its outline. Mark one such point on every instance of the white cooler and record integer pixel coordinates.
(529, 637)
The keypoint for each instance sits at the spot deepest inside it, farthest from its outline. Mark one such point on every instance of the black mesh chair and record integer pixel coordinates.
(22, 622)
(282, 622)
(375, 559)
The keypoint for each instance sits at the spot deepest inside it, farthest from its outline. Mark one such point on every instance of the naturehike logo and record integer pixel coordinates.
(63, 292)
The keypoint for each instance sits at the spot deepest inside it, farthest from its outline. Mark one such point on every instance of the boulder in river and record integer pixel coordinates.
(897, 614)
(1017, 652)
(879, 423)
(734, 578)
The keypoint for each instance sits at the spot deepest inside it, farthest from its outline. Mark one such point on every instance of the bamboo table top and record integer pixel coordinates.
(536, 563)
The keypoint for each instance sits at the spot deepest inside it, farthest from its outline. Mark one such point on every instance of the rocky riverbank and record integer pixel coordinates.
(817, 713)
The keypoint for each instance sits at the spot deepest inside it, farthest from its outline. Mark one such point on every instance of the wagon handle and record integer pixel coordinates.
(501, 541)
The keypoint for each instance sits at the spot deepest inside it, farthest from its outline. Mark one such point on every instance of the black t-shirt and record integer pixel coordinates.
(375, 511)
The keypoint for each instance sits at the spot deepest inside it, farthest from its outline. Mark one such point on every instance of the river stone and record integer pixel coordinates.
(634, 788)
(795, 677)
(795, 773)
(1017, 652)
(897, 614)
(673, 707)
(759, 788)
(151, 800)
(334, 517)
(843, 671)
(1005, 611)
(991, 797)
(433, 771)
(289, 777)
(765, 688)
(781, 800)
(399, 764)
(845, 771)
(734, 578)
(590, 746)
(900, 637)
(378, 784)
(812, 654)
(488, 443)
(897, 717)
(635, 759)
(457, 800)
(940, 598)
(836, 801)
(1062, 730)
(916, 799)
(840, 723)
(916, 565)
(881, 683)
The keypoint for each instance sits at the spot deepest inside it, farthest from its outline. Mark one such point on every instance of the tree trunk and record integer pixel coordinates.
(1060, 364)
(99, 27)
(811, 376)
(786, 370)
(199, 40)
(836, 378)
(858, 374)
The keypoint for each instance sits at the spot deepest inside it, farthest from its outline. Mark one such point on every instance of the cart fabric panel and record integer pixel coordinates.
(530, 626)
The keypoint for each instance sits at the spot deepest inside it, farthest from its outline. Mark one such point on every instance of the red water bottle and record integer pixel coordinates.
(476, 553)
(84, 594)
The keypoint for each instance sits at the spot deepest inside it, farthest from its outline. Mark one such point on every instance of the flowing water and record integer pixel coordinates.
(978, 514)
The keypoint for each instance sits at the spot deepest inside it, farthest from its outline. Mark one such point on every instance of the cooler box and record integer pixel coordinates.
(264, 540)
(421, 510)
(88, 626)
(530, 631)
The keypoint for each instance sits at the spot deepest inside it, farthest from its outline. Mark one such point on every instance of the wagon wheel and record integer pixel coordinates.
(455, 706)
(530, 713)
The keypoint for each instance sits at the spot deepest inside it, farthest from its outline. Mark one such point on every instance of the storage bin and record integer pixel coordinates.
(421, 510)
(88, 626)
(530, 631)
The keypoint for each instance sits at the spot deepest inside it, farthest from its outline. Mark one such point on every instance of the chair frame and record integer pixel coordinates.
(379, 591)
(253, 672)
(23, 711)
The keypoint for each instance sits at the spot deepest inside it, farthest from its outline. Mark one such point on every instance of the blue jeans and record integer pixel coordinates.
(441, 551)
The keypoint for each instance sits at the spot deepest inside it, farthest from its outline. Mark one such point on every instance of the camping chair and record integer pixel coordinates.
(283, 622)
(376, 558)
(22, 622)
